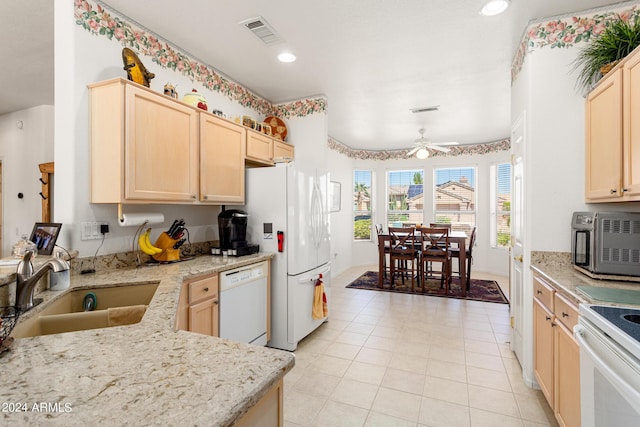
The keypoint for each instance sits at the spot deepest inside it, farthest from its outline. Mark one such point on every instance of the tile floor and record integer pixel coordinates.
(387, 359)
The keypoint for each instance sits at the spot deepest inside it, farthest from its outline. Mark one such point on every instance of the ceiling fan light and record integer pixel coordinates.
(422, 153)
(494, 7)
(286, 57)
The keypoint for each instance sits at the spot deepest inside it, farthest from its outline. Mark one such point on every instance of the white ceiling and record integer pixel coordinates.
(373, 59)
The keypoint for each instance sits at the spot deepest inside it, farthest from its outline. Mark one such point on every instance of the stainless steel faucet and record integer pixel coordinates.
(27, 278)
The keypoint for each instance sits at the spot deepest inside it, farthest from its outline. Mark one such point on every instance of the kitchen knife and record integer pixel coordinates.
(179, 243)
(173, 227)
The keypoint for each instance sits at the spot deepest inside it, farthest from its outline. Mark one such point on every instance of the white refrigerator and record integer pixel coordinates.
(293, 201)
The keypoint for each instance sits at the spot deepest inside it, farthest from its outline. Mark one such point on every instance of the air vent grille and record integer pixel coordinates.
(425, 109)
(262, 30)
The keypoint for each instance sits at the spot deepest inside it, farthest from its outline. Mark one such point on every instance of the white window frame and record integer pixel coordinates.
(389, 211)
(495, 212)
(473, 212)
(370, 212)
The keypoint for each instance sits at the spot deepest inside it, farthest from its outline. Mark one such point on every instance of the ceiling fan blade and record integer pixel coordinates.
(438, 148)
(414, 151)
(446, 143)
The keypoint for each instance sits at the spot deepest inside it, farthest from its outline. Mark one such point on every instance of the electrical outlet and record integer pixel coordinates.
(91, 230)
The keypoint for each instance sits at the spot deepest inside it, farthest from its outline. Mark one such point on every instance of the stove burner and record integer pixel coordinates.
(633, 318)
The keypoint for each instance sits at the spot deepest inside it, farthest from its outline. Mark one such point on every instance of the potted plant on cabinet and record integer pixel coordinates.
(604, 52)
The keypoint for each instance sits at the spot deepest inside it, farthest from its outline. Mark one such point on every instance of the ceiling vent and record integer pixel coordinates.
(262, 30)
(425, 109)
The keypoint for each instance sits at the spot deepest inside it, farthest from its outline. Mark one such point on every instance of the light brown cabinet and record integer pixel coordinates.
(222, 156)
(262, 150)
(613, 135)
(556, 353)
(268, 412)
(198, 308)
(144, 146)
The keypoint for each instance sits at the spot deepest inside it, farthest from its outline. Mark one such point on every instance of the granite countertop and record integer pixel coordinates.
(566, 278)
(147, 373)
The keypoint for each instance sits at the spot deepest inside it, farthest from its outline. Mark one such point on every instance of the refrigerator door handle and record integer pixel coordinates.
(316, 215)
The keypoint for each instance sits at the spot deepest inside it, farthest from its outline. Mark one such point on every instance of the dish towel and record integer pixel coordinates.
(320, 309)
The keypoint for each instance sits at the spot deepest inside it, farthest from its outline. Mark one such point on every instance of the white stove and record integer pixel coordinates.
(609, 338)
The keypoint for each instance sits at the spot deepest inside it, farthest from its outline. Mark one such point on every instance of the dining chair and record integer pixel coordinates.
(435, 248)
(386, 249)
(455, 253)
(402, 253)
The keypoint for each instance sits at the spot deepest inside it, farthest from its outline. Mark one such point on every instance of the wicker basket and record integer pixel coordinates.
(8, 318)
(606, 68)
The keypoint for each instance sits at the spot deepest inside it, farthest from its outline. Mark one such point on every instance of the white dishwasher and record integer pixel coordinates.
(243, 304)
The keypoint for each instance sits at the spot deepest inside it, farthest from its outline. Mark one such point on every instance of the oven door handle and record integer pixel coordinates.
(610, 374)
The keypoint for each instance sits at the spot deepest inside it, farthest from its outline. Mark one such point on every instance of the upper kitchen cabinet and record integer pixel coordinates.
(613, 135)
(262, 150)
(144, 146)
(222, 155)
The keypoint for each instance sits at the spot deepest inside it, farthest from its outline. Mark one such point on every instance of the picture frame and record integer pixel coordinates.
(334, 196)
(45, 235)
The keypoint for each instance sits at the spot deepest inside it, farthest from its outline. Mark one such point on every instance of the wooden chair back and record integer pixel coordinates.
(402, 240)
(435, 242)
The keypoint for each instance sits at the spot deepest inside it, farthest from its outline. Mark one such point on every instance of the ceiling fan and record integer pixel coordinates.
(422, 146)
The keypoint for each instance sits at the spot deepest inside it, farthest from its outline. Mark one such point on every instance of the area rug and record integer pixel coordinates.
(481, 290)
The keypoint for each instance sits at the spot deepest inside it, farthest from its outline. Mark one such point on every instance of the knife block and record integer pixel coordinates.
(166, 243)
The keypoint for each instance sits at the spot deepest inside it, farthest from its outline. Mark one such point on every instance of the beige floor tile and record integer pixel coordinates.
(488, 378)
(480, 418)
(335, 324)
(535, 408)
(354, 393)
(412, 348)
(410, 382)
(397, 404)
(301, 408)
(354, 338)
(381, 343)
(490, 348)
(366, 372)
(450, 342)
(447, 354)
(316, 383)
(408, 362)
(486, 361)
(497, 401)
(386, 331)
(484, 336)
(438, 413)
(330, 365)
(447, 390)
(369, 319)
(518, 385)
(336, 414)
(376, 419)
(447, 370)
(315, 345)
(344, 351)
(373, 356)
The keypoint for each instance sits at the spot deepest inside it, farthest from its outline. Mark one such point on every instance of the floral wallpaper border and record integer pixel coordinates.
(486, 148)
(100, 20)
(565, 32)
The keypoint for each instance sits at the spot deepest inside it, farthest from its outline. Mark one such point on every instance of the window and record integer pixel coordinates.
(455, 197)
(362, 203)
(501, 205)
(405, 198)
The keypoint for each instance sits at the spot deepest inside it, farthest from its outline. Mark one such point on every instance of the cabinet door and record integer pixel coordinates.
(604, 139)
(161, 148)
(222, 153)
(631, 150)
(543, 349)
(259, 148)
(203, 317)
(567, 377)
(282, 150)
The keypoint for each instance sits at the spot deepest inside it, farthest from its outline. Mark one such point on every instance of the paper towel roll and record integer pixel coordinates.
(133, 219)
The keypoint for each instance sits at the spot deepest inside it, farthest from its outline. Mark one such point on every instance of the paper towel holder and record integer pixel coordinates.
(142, 218)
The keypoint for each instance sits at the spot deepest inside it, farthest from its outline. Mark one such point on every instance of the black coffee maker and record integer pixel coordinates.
(232, 228)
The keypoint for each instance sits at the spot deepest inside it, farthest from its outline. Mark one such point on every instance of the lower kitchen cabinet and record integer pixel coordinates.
(557, 354)
(198, 307)
(267, 412)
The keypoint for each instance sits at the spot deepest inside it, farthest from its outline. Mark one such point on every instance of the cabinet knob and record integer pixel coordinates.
(193, 196)
(538, 291)
(547, 318)
(206, 197)
(613, 191)
(565, 314)
(206, 289)
(215, 301)
(625, 190)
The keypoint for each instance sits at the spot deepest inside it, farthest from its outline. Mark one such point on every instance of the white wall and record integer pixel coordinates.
(81, 59)
(486, 258)
(21, 151)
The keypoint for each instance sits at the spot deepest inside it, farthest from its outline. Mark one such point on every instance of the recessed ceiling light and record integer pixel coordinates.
(286, 57)
(494, 7)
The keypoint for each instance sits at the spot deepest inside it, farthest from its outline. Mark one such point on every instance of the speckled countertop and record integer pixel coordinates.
(142, 374)
(557, 269)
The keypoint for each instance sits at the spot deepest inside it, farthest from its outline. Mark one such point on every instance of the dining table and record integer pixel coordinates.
(455, 237)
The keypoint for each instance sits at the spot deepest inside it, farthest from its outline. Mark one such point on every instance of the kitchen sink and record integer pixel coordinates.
(114, 306)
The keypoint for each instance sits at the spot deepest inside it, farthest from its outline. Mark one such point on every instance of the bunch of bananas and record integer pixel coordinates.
(145, 244)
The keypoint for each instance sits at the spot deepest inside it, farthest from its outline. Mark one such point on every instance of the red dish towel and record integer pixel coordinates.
(319, 309)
